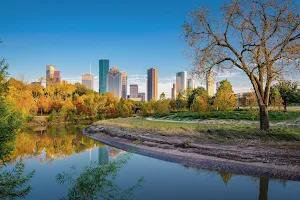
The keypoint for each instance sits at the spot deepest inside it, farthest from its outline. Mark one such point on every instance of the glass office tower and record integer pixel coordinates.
(181, 81)
(103, 71)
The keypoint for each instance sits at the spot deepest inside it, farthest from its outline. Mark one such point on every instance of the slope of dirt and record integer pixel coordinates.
(257, 161)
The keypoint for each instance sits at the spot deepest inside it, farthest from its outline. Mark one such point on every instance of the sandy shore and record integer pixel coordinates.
(270, 162)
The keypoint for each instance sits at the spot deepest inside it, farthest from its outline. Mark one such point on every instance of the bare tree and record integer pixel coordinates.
(260, 37)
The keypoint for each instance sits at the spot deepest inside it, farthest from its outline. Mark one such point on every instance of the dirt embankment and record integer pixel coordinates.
(257, 161)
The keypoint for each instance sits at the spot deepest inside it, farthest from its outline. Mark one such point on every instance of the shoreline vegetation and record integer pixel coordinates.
(237, 148)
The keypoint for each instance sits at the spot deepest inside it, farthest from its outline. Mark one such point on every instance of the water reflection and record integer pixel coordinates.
(263, 188)
(53, 151)
(103, 155)
(15, 183)
(97, 180)
(51, 143)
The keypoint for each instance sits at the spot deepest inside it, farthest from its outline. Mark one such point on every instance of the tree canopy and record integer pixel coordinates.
(225, 98)
(261, 38)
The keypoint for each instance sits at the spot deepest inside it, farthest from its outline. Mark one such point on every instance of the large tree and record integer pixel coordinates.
(259, 37)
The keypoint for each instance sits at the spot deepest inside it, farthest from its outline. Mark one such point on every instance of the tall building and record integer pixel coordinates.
(124, 85)
(52, 75)
(57, 77)
(103, 72)
(152, 84)
(142, 96)
(181, 81)
(191, 84)
(134, 91)
(50, 69)
(210, 83)
(174, 93)
(88, 81)
(217, 85)
(114, 82)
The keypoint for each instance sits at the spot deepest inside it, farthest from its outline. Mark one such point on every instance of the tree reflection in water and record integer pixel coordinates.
(50, 143)
(13, 183)
(97, 181)
(56, 142)
(263, 188)
(263, 182)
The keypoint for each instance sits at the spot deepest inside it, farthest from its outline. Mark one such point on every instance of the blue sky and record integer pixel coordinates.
(134, 35)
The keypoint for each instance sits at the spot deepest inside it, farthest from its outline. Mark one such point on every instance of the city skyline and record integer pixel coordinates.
(142, 79)
(58, 40)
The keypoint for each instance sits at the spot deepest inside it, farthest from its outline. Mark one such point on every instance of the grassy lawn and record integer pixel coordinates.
(216, 132)
(236, 115)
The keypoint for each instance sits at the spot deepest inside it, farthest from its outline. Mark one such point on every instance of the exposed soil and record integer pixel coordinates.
(256, 161)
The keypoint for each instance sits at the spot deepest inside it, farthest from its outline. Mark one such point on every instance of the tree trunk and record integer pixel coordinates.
(285, 107)
(264, 118)
(263, 188)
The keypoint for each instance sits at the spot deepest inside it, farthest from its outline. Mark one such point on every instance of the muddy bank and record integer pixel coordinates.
(256, 161)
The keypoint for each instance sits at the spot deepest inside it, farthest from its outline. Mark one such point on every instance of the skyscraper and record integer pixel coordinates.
(124, 85)
(152, 84)
(134, 91)
(210, 83)
(57, 77)
(50, 69)
(88, 81)
(142, 96)
(52, 75)
(114, 82)
(174, 92)
(191, 84)
(103, 72)
(181, 81)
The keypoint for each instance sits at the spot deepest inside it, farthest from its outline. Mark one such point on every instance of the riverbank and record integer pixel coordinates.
(43, 121)
(232, 148)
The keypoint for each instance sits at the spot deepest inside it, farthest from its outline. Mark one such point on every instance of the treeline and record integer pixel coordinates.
(64, 102)
(196, 100)
(71, 102)
(283, 93)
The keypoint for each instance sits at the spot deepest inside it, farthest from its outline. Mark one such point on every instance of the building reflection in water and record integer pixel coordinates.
(103, 157)
(106, 153)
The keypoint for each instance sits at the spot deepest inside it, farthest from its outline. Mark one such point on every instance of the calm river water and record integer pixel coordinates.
(66, 150)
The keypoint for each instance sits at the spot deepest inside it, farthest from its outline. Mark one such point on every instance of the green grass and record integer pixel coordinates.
(236, 115)
(216, 132)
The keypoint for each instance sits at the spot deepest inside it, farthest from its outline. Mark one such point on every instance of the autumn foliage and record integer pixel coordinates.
(65, 102)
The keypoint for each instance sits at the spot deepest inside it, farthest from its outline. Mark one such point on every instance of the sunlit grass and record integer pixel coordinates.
(221, 131)
(292, 114)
